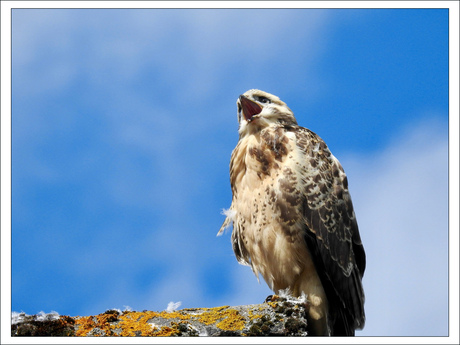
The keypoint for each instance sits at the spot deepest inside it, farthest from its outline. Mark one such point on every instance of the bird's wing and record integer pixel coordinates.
(331, 232)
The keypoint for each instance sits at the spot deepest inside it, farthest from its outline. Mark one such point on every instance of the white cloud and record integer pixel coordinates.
(400, 198)
(190, 51)
(101, 62)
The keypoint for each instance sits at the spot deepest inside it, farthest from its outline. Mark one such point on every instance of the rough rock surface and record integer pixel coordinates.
(282, 316)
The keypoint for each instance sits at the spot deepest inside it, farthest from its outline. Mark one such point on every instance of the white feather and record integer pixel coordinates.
(231, 216)
(172, 306)
(229, 213)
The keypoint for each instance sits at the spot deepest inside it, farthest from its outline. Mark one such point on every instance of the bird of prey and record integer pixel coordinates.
(292, 215)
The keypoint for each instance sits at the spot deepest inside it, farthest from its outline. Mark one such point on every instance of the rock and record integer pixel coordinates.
(282, 316)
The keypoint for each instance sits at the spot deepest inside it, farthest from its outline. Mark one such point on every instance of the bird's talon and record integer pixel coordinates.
(271, 298)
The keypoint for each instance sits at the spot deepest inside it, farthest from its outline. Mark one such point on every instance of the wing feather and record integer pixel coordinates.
(331, 233)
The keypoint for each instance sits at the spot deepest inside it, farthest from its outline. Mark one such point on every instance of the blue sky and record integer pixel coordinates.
(123, 122)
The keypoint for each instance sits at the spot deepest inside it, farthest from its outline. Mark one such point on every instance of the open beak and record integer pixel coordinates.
(249, 108)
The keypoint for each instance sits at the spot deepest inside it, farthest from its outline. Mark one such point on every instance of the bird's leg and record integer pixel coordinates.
(316, 304)
(316, 316)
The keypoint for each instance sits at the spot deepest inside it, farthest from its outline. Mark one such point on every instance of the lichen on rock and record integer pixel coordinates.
(281, 316)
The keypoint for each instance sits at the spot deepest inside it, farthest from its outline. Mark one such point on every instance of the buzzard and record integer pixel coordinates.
(292, 215)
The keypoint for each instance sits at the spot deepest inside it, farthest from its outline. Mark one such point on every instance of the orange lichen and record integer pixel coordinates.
(84, 324)
(166, 331)
(253, 316)
(233, 321)
(230, 319)
(128, 324)
(173, 315)
(272, 304)
(137, 323)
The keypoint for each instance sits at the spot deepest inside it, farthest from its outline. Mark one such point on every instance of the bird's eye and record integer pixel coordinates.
(263, 99)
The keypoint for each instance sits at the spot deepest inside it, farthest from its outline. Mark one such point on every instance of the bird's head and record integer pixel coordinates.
(258, 109)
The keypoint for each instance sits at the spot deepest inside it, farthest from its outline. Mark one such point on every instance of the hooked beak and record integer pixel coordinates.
(250, 108)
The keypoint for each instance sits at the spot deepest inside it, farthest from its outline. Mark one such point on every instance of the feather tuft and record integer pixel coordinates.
(172, 306)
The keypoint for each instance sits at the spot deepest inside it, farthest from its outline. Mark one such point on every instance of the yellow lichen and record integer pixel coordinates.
(233, 321)
(166, 332)
(272, 304)
(253, 316)
(128, 324)
(84, 324)
(211, 315)
(173, 315)
(136, 323)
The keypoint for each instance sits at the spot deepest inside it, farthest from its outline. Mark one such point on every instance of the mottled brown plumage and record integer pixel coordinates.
(292, 215)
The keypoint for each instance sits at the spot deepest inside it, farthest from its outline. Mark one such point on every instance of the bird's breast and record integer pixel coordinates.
(266, 152)
(264, 170)
(267, 201)
(268, 232)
